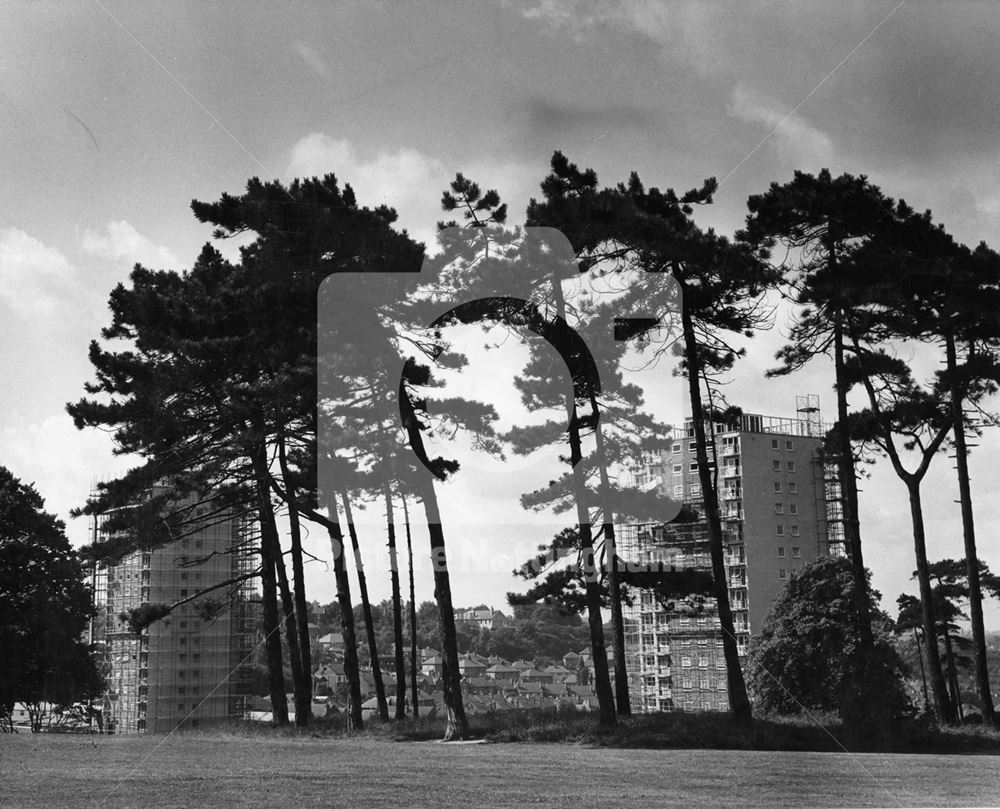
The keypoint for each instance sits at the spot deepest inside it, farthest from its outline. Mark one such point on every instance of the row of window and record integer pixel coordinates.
(792, 529)
(776, 444)
(789, 466)
(793, 487)
(796, 552)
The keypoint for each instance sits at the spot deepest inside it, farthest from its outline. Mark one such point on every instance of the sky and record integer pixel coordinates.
(114, 116)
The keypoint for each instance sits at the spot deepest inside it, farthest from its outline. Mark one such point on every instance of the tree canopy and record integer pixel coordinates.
(45, 607)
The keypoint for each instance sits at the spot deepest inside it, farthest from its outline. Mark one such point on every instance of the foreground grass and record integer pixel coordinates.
(223, 769)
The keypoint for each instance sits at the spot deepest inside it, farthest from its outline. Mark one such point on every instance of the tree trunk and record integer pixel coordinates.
(272, 634)
(366, 609)
(938, 685)
(269, 533)
(397, 610)
(413, 614)
(849, 496)
(458, 724)
(303, 688)
(923, 672)
(956, 695)
(346, 618)
(622, 699)
(969, 535)
(739, 702)
(591, 572)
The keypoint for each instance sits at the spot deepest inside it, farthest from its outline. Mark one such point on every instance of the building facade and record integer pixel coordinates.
(779, 504)
(194, 665)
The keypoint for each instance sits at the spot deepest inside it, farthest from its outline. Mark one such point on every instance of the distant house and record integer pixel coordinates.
(503, 672)
(329, 676)
(469, 666)
(478, 685)
(333, 643)
(572, 661)
(487, 618)
(432, 666)
(535, 676)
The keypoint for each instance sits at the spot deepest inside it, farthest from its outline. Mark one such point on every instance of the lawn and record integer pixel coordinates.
(224, 770)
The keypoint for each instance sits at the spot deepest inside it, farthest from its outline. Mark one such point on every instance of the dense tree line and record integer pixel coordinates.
(211, 376)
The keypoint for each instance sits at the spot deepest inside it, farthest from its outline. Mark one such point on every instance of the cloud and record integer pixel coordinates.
(408, 180)
(62, 461)
(33, 276)
(123, 241)
(308, 54)
(798, 141)
(405, 179)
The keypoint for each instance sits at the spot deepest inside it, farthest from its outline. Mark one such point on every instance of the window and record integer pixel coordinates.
(693, 466)
(678, 468)
(793, 487)
(779, 508)
(180, 690)
(695, 489)
(796, 552)
(795, 530)
(686, 662)
(703, 661)
(780, 530)
(685, 683)
(777, 485)
(781, 551)
(783, 573)
(183, 593)
(774, 443)
(703, 683)
(793, 508)
(776, 466)
(678, 489)
(692, 446)
(675, 448)
(790, 465)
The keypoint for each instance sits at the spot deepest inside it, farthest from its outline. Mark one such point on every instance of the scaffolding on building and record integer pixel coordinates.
(193, 665)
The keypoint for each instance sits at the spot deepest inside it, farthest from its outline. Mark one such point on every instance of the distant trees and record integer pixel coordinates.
(44, 609)
(803, 659)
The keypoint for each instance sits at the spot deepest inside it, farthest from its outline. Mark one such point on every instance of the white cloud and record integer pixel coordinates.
(308, 54)
(405, 179)
(122, 241)
(797, 141)
(33, 276)
(62, 461)
(408, 180)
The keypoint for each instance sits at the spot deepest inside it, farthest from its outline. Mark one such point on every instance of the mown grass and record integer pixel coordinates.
(261, 769)
(681, 730)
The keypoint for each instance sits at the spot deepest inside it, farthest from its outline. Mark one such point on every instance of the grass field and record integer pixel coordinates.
(224, 770)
